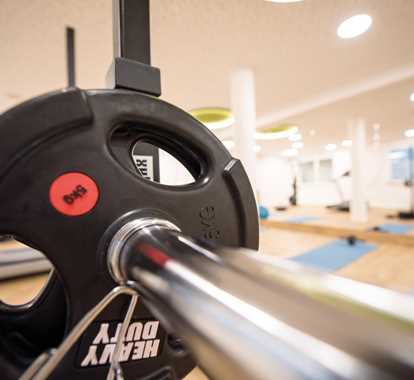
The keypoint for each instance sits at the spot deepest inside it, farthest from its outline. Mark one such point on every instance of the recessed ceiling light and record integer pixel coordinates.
(312, 132)
(290, 152)
(277, 133)
(409, 133)
(354, 26)
(214, 117)
(298, 145)
(257, 148)
(412, 97)
(295, 137)
(330, 147)
(347, 143)
(229, 144)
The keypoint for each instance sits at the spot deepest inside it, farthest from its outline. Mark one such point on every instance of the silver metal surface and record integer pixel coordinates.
(40, 361)
(115, 370)
(246, 316)
(46, 363)
(121, 238)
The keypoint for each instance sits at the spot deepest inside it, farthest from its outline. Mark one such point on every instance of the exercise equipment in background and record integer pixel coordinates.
(344, 204)
(394, 228)
(263, 212)
(335, 255)
(293, 199)
(410, 184)
(18, 262)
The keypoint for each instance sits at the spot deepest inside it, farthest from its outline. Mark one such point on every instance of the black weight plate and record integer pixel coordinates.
(45, 141)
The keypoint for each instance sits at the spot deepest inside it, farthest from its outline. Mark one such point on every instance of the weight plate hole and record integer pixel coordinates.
(166, 163)
(24, 272)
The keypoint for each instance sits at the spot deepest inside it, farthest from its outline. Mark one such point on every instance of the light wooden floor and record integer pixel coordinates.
(330, 217)
(391, 265)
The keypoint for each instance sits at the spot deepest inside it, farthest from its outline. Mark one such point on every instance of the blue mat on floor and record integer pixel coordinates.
(302, 219)
(335, 255)
(394, 228)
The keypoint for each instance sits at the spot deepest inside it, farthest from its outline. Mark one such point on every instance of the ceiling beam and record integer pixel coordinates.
(336, 95)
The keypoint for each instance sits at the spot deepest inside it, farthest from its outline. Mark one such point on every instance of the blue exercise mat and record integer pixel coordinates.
(302, 219)
(335, 255)
(394, 228)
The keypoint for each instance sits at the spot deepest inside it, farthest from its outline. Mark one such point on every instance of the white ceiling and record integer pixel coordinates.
(304, 73)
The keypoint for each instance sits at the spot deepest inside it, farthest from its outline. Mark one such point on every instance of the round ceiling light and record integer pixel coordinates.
(213, 117)
(354, 26)
(275, 133)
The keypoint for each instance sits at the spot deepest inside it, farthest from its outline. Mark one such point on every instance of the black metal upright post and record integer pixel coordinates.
(131, 69)
(70, 56)
(134, 29)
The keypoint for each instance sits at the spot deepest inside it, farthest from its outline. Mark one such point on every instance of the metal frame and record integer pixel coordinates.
(46, 363)
(131, 68)
(70, 56)
(132, 30)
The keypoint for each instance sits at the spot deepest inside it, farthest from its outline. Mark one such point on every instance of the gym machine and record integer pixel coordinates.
(150, 279)
(409, 182)
(343, 205)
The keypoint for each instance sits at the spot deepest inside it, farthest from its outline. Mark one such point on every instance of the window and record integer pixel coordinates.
(307, 172)
(325, 170)
(402, 162)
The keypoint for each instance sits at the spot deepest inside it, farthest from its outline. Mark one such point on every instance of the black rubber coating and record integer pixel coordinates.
(71, 131)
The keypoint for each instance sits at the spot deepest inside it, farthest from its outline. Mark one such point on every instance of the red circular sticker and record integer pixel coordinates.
(73, 194)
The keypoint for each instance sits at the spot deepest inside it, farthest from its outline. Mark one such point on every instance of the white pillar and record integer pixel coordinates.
(243, 106)
(359, 208)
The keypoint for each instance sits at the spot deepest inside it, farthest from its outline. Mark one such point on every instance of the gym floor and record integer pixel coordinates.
(388, 265)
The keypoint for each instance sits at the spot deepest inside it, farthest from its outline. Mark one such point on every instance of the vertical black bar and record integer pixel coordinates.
(135, 42)
(411, 179)
(70, 56)
(132, 42)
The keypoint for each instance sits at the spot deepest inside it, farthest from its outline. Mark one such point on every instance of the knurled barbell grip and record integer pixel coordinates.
(239, 326)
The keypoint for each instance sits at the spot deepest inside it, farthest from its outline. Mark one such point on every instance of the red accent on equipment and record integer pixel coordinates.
(73, 194)
(155, 255)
